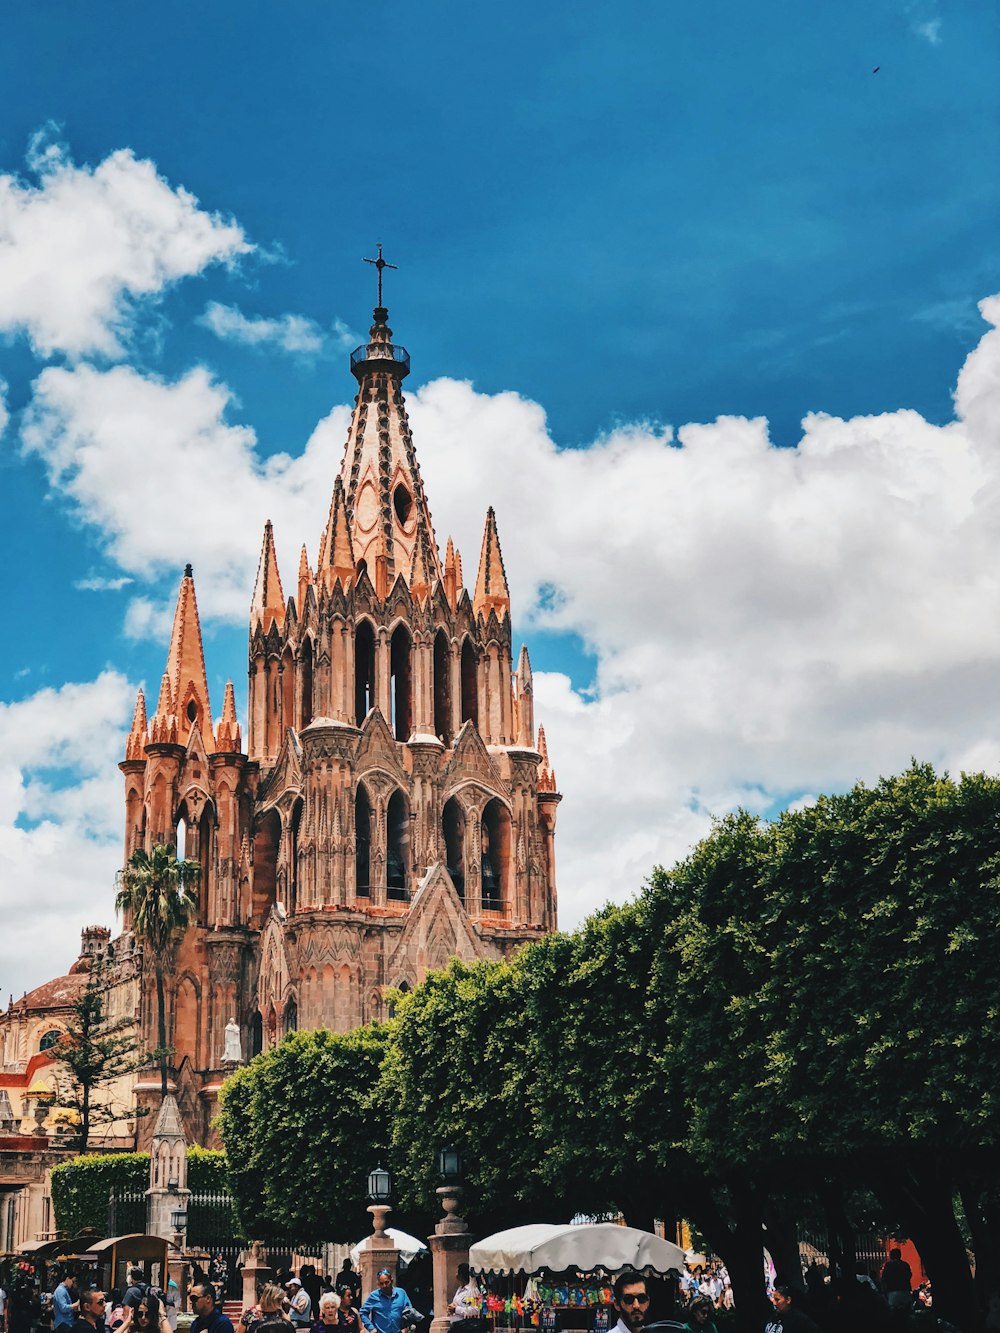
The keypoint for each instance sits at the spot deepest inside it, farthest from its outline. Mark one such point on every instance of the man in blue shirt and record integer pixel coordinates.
(383, 1310)
(209, 1317)
(65, 1304)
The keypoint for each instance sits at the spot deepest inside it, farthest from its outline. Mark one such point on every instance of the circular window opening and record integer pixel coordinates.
(192, 711)
(402, 502)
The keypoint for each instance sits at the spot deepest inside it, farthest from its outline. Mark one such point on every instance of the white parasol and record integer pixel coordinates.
(592, 1246)
(408, 1246)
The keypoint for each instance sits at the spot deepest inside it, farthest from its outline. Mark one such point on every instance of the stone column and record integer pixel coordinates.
(377, 1251)
(255, 1273)
(449, 1247)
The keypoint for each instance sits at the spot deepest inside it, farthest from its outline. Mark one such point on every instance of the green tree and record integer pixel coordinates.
(158, 891)
(459, 1071)
(94, 1052)
(312, 1100)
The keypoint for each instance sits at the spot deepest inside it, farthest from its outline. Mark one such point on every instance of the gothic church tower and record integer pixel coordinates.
(394, 806)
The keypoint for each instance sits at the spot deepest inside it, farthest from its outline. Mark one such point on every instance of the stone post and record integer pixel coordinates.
(168, 1191)
(449, 1247)
(255, 1273)
(377, 1251)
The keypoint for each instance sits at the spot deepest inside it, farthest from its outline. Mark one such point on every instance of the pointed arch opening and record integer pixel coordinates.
(364, 670)
(183, 846)
(293, 876)
(206, 859)
(453, 827)
(291, 1023)
(306, 678)
(397, 851)
(287, 691)
(362, 843)
(442, 688)
(401, 682)
(470, 684)
(495, 855)
(265, 866)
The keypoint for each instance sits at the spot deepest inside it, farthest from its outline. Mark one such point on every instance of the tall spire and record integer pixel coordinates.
(491, 582)
(305, 578)
(186, 666)
(525, 700)
(227, 734)
(387, 512)
(336, 555)
(268, 599)
(136, 743)
(546, 777)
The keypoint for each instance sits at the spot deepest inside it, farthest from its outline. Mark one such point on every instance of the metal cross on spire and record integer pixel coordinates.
(380, 264)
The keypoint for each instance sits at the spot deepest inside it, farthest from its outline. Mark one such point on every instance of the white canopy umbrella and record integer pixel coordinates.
(408, 1246)
(594, 1245)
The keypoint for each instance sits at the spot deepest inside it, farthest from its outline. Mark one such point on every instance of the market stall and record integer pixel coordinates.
(559, 1276)
(112, 1258)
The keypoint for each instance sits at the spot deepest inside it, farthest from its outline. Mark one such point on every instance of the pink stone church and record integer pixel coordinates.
(394, 806)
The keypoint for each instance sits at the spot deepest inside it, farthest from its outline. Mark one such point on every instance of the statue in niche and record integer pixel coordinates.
(232, 1050)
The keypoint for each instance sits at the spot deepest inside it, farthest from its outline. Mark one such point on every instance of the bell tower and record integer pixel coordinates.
(395, 806)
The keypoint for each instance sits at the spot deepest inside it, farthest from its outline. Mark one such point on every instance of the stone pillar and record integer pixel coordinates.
(168, 1191)
(377, 1251)
(255, 1273)
(449, 1247)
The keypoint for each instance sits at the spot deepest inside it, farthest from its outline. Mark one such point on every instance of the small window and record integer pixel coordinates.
(49, 1039)
(192, 711)
(402, 502)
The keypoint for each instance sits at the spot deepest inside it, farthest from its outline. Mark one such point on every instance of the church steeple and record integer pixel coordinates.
(388, 516)
(336, 555)
(186, 667)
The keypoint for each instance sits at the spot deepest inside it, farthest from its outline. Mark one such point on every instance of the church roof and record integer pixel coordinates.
(388, 517)
(58, 993)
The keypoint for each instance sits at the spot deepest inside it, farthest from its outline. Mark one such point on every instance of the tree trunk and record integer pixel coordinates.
(161, 1015)
(922, 1195)
(741, 1248)
(979, 1194)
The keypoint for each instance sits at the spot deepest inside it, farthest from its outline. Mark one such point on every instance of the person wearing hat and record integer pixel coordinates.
(386, 1308)
(299, 1303)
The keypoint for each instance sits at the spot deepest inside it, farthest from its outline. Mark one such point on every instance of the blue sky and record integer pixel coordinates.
(611, 224)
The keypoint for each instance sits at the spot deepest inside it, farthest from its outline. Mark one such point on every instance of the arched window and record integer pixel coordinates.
(49, 1039)
(306, 677)
(401, 681)
(287, 691)
(291, 1016)
(363, 843)
(442, 687)
(265, 862)
(470, 684)
(256, 1033)
(495, 858)
(364, 671)
(397, 850)
(180, 835)
(293, 879)
(403, 989)
(206, 829)
(453, 826)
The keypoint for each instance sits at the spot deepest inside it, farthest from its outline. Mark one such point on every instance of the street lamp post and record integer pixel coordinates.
(378, 1251)
(449, 1245)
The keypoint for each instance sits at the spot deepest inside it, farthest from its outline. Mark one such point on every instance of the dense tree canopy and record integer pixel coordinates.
(800, 1015)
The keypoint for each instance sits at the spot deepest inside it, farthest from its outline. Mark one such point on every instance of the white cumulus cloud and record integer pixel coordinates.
(82, 246)
(61, 828)
(294, 334)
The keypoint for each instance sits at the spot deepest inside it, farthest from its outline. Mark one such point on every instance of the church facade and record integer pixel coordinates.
(394, 805)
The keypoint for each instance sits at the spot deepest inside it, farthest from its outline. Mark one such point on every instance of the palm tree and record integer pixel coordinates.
(158, 891)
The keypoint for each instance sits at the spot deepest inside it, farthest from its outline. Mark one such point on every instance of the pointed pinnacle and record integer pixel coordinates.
(268, 603)
(491, 583)
(136, 743)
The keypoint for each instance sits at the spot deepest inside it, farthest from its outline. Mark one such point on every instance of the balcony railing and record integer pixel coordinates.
(380, 352)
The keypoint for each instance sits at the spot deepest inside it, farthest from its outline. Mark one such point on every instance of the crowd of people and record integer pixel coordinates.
(306, 1302)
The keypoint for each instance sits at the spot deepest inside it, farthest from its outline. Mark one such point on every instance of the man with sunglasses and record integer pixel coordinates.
(631, 1302)
(91, 1316)
(209, 1318)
